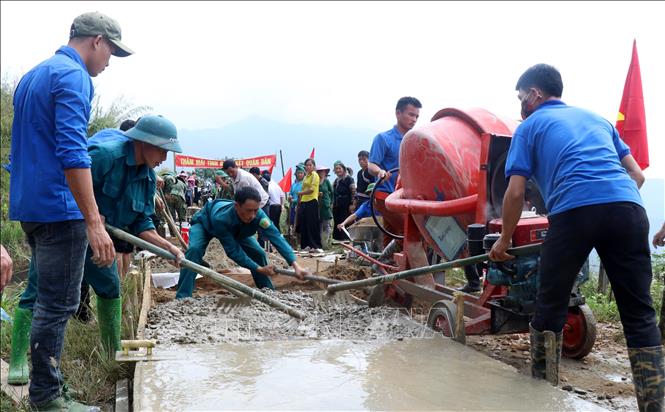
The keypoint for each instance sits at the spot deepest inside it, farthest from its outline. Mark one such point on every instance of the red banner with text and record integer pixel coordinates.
(262, 162)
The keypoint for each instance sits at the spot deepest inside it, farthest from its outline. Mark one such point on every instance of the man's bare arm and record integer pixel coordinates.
(634, 171)
(80, 184)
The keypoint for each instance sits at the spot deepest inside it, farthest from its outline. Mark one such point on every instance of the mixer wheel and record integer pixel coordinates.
(579, 332)
(442, 317)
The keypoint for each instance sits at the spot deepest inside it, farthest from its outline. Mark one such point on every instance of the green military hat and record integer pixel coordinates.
(221, 173)
(98, 24)
(157, 131)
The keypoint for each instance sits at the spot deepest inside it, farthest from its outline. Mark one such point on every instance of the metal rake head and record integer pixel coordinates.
(324, 299)
(226, 304)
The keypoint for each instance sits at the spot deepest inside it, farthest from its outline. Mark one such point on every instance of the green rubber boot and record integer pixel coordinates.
(109, 317)
(64, 403)
(545, 354)
(648, 366)
(19, 371)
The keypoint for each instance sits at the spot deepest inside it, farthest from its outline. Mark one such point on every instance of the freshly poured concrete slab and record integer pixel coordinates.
(413, 374)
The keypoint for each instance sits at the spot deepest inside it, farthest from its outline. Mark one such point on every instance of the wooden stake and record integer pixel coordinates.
(460, 327)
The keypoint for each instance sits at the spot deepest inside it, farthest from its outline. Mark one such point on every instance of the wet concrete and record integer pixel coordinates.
(409, 374)
(209, 319)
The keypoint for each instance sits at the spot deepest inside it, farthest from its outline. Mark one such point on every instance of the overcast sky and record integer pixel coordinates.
(206, 64)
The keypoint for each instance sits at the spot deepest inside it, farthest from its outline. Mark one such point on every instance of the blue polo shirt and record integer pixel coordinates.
(49, 134)
(107, 135)
(365, 210)
(385, 153)
(574, 156)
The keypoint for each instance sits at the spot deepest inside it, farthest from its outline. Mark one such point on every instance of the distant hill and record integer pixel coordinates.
(256, 136)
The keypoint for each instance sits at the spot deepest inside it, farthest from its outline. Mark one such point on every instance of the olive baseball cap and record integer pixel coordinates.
(94, 24)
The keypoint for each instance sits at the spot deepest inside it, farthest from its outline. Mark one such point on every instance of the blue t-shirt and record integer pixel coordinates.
(385, 153)
(573, 155)
(108, 135)
(365, 210)
(49, 134)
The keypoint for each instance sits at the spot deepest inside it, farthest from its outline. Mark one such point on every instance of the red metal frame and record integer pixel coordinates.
(468, 209)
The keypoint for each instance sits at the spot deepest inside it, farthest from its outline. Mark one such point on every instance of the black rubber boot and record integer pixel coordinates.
(472, 280)
(83, 312)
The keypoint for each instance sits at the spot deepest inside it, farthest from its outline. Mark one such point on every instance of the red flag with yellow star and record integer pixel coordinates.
(631, 122)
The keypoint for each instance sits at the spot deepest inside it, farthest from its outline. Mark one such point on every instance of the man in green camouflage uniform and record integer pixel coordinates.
(175, 197)
(225, 190)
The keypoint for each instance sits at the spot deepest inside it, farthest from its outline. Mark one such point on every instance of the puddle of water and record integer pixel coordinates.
(414, 374)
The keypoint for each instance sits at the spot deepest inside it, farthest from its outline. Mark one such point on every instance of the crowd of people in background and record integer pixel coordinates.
(315, 208)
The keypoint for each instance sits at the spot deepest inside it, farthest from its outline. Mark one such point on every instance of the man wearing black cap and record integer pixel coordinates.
(59, 215)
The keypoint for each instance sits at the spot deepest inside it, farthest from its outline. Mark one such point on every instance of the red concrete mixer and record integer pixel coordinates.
(450, 191)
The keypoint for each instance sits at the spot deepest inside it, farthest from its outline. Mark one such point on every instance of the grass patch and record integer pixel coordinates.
(84, 365)
(605, 310)
(13, 239)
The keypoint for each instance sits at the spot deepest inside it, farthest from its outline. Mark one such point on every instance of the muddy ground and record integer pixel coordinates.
(603, 377)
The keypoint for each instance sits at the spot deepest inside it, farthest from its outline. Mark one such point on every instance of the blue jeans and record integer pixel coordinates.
(105, 281)
(58, 252)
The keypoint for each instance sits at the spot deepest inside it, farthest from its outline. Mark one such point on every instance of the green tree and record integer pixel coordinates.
(107, 118)
(10, 232)
(100, 118)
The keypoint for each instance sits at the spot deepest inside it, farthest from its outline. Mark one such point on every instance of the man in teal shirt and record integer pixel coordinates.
(234, 224)
(123, 181)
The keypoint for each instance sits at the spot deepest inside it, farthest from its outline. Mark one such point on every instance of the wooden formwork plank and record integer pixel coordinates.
(122, 396)
(146, 301)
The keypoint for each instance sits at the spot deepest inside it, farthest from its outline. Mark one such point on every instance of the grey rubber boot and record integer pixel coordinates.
(545, 354)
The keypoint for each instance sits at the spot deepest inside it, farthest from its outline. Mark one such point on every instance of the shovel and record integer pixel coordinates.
(229, 284)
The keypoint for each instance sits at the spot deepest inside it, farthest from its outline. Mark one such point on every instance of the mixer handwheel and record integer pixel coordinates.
(579, 332)
(442, 317)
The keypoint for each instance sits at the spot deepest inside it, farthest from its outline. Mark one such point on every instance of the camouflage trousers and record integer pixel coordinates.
(177, 205)
(648, 365)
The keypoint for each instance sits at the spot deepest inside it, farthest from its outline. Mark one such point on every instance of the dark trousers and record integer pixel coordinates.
(340, 213)
(619, 232)
(263, 241)
(275, 213)
(310, 227)
(472, 275)
(58, 253)
(392, 222)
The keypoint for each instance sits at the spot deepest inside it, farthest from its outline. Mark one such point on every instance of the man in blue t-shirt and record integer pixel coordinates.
(51, 195)
(384, 157)
(589, 181)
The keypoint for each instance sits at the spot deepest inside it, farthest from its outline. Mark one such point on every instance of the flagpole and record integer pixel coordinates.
(281, 160)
